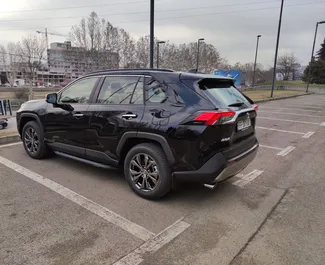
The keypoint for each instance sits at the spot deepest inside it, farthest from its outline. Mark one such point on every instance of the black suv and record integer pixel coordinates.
(159, 125)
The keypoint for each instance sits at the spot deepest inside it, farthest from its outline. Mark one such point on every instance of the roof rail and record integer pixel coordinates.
(133, 69)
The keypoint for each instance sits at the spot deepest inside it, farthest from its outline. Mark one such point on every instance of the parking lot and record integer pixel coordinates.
(59, 211)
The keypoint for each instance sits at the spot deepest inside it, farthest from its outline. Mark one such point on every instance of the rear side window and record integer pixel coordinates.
(117, 89)
(223, 93)
(155, 92)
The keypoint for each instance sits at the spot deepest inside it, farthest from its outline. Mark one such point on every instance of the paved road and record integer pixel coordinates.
(58, 211)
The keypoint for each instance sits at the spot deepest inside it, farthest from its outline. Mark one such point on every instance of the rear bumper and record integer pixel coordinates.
(218, 169)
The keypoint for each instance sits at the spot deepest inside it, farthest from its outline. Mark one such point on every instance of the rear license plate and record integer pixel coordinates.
(243, 124)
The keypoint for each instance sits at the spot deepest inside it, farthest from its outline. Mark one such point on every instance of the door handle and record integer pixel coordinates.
(129, 116)
(77, 115)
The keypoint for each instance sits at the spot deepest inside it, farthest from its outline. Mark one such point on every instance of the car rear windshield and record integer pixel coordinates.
(222, 93)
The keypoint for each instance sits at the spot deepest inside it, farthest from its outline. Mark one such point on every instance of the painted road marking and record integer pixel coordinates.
(133, 228)
(297, 114)
(271, 147)
(283, 151)
(308, 106)
(286, 151)
(263, 107)
(306, 122)
(308, 135)
(7, 145)
(304, 135)
(301, 107)
(243, 181)
(154, 244)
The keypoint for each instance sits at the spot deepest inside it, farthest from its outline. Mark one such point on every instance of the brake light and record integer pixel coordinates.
(212, 117)
(255, 107)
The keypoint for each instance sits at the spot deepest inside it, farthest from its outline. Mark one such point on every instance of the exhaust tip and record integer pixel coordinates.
(210, 186)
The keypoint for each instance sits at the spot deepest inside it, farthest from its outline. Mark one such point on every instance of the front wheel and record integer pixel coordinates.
(147, 171)
(33, 140)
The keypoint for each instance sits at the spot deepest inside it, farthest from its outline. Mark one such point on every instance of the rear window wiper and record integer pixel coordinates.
(237, 104)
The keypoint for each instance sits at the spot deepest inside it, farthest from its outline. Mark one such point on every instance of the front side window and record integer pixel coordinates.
(117, 89)
(79, 92)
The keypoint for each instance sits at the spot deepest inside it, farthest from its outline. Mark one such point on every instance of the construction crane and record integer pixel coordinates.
(49, 33)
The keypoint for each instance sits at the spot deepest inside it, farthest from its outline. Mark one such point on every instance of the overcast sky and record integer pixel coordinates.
(230, 25)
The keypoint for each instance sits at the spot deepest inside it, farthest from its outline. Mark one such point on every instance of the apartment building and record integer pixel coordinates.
(65, 60)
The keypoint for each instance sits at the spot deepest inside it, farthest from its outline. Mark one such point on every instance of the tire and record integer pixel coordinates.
(157, 168)
(36, 147)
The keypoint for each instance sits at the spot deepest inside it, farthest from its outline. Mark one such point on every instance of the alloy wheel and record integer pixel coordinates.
(31, 140)
(144, 172)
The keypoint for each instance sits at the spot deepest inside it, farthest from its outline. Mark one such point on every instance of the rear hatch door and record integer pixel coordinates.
(238, 133)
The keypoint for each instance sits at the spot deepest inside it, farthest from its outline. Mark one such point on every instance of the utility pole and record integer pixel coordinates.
(198, 54)
(152, 31)
(312, 54)
(258, 38)
(277, 49)
(159, 42)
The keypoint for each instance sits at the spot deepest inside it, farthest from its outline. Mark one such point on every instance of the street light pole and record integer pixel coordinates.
(198, 54)
(312, 54)
(277, 49)
(159, 42)
(152, 31)
(258, 38)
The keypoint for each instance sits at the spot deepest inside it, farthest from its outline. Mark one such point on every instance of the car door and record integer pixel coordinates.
(65, 129)
(118, 109)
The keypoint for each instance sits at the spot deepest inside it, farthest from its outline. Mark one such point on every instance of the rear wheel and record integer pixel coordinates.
(147, 171)
(33, 140)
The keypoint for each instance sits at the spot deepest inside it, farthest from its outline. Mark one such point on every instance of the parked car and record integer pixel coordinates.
(3, 123)
(160, 126)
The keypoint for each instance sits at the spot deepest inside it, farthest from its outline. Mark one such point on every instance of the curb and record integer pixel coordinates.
(10, 139)
(273, 99)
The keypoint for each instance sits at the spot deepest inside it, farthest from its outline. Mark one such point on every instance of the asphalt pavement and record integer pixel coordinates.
(58, 211)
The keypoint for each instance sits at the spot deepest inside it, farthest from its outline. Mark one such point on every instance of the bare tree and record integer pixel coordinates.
(95, 36)
(248, 69)
(9, 58)
(288, 64)
(142, 52)
(126, 50)
(210, 58)
(31, 51)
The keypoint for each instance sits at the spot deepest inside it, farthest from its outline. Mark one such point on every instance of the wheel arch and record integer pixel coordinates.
(130, 139)
(26, 117)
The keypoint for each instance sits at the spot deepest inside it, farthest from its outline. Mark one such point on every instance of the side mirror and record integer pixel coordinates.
(52, 98)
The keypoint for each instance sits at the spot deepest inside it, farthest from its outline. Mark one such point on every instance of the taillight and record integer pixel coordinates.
(255, 107)
(214, 117)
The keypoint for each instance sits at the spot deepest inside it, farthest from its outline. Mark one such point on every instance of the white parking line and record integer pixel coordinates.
(7, 145)
(304, 135)
(283, 151)
(247, 178)
(311, 105)
(297, 114)
(271, 147)
(133, 228)
(297, 121)
(167, 235)
(301, 107)
(286, 151)
(308, 135)
(264, 107)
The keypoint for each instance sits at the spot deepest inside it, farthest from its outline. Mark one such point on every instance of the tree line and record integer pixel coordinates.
(317, 73)
(97, 38)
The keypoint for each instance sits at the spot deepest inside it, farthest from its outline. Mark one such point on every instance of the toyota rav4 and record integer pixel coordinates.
(160, 126)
